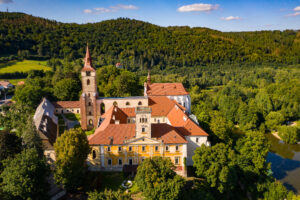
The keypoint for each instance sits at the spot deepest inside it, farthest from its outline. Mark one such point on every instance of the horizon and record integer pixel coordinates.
(225, 16)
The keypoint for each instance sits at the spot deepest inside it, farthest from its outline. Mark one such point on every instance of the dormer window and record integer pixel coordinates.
(88, 73)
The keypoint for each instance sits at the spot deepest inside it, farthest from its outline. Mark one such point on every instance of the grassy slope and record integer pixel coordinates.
(23, 66)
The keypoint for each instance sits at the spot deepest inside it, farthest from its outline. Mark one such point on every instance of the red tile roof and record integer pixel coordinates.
(160, 105)
(66, 104)
(184, 124)
(167, 133)
(5, 83)
(166, 89)
(88, 66)
(114, 134)
(130, 112)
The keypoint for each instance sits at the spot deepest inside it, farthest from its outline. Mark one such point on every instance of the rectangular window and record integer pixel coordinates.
(120, 161)
(109, 162)
(119, 149)
(177, 160)
(143, 129)
(177, 148)
(130, 148)
(156, 148)
(167, 148)
(130, 161)
(143, 148)
(197, 140)
(108, 149)
(88, 73)
(128, 121)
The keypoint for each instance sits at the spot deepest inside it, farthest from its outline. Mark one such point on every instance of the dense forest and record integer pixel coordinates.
(243, 85)
(141, 45)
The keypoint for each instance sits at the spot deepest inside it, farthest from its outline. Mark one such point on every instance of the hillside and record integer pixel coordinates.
(143, 45)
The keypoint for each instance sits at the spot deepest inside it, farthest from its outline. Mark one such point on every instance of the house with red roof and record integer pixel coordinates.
(130, 129)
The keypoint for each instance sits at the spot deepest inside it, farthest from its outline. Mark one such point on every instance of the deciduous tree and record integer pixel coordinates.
(71, 150)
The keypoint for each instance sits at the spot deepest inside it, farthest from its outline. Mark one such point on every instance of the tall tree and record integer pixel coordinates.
(10, 144)
(25, 176)
(31, 138)
(157, 180)
(67, 89)
(217, 165)
(72, 149)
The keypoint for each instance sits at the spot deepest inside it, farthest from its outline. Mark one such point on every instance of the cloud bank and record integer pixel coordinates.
(110, 9)
(6, 1)
(297, 8)
(198, 7)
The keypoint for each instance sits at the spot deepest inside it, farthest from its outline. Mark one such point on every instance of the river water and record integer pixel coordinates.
(285, 163)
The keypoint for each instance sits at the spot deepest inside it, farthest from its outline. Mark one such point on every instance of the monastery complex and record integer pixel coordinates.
(128, 129)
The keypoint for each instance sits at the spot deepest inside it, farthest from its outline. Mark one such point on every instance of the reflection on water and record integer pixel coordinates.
(285, 163)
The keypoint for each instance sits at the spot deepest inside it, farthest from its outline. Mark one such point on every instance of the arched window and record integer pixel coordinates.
(127, 103)
(140, 103)
(94, 154)
(115, 103)
(90, 104)
(90, 113)
(102, 108)
(90, 122)
(88, 82)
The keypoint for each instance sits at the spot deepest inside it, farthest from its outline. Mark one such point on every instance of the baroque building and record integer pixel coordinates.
(130, 129)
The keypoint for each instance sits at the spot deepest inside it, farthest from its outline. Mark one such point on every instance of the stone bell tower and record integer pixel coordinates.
(88, 99)
(143, 122)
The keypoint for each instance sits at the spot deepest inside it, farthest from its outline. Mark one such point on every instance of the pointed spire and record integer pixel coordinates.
(149, 78)
(88, 66)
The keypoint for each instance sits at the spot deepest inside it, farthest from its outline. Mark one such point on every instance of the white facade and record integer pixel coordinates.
(184, 100)
(193, 143)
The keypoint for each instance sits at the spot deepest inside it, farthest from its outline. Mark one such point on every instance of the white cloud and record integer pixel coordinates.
(87, 11)
(125, 7)
(198, 7)
(230, 18)
(6, 1)
(297, 8)
(110, 9)
(102, 10)
(293, 14)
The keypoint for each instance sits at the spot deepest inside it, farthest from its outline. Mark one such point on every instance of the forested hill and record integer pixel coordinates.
(143, 45)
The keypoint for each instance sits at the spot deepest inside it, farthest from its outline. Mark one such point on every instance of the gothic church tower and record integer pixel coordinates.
(88, 99)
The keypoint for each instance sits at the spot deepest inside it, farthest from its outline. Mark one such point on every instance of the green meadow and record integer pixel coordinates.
(23, 66)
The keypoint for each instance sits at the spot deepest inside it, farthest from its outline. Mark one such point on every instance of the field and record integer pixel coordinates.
(23, 66)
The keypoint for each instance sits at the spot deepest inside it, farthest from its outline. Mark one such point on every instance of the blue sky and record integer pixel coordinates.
(224, 15)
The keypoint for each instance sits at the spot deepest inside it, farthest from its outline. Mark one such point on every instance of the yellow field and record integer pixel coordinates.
(23, 66)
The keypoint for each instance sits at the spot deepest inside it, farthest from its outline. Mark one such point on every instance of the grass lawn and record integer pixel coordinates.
(23, 66)
(73, 117)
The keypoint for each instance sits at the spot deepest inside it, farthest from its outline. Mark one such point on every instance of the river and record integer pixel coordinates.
(285, 163)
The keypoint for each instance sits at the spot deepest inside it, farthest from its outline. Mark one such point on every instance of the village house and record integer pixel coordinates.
(130, 129)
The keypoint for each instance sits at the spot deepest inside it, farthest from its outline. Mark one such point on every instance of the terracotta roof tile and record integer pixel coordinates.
(167, 133)
(166, 89)
(160, 105)
(184, 124)
(66, 104)
(114, 134)
(130, 112)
